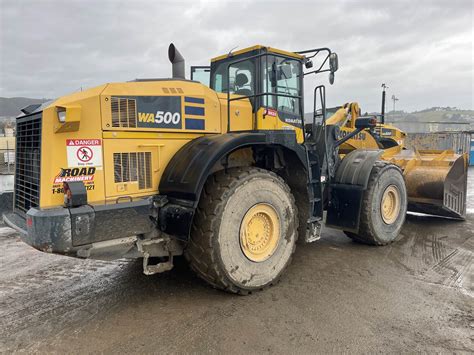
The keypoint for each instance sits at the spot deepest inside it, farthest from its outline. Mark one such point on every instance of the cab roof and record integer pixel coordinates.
(258, 46)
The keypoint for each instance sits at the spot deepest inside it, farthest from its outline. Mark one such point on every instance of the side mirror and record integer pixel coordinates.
(331, 78)
(333, 62)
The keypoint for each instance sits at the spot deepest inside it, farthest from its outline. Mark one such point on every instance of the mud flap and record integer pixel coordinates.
(344, 207)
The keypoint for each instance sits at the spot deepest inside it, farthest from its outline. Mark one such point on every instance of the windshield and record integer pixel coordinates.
(282, 76)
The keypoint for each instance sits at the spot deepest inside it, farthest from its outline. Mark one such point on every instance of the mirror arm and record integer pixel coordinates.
(320, 67)
(315, 50)
(325, 60)
(317, 71)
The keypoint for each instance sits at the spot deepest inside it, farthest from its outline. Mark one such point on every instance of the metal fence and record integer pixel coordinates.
(7, 161)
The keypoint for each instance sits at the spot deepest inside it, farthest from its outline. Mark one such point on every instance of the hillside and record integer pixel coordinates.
(434, 119)
(11, 106)
(435, 114)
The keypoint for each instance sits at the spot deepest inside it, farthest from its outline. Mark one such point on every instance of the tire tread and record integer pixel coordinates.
(367, 234)
(200, 254)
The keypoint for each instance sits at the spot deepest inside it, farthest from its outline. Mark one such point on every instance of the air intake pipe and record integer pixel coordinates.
(177, 60)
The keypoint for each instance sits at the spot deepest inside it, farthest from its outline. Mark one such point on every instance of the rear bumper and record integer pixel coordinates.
(16, 222)
(100, 231)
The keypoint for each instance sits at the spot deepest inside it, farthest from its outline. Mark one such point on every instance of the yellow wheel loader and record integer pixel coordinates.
(225, 173)
(435, 179)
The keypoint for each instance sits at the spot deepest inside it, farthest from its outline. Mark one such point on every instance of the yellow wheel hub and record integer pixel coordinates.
(260, 232)
(390, 205)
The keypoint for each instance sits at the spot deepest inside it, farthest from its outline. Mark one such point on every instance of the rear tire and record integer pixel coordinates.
(244, 231)
(384, 206)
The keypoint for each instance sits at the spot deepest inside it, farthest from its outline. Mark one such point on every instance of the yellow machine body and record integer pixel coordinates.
(110, 115)
(117, 130)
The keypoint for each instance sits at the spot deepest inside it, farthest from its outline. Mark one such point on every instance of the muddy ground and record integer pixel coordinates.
(414, 295)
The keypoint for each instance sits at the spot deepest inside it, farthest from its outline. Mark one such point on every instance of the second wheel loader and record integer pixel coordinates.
(435, 179)
(225, 174)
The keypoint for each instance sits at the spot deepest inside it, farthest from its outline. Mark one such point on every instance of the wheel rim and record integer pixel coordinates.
(260, 232)
(390, 205)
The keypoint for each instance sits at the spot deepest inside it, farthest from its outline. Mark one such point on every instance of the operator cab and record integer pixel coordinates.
(268, 77)
(272, 80)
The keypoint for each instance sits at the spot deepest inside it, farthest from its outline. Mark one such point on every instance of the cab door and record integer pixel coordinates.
(240, 80)
(282, 102)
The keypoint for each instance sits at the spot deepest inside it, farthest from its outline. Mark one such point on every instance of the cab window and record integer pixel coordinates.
(282, 76)
(201, 74)
(241, 78)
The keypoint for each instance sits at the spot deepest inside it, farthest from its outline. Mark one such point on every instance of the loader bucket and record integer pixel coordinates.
(436, 181)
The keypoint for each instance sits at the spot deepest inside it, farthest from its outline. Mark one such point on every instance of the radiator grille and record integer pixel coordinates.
(124, 112)
(28, 162)
(133, 166)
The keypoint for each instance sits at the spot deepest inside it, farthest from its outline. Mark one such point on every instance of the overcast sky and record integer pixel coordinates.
(423, 50)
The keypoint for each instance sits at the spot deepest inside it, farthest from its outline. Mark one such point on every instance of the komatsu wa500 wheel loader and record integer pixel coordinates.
(226, 174)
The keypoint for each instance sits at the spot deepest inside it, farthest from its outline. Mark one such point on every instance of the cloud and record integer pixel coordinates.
(422, 49)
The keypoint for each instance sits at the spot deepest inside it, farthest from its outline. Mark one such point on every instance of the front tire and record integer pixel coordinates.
(244, 231)
(384, 206)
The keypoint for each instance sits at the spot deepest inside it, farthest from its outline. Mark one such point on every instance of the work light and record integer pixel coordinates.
(61, 114)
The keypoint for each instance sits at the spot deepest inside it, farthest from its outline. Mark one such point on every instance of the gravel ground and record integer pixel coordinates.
(337, 296)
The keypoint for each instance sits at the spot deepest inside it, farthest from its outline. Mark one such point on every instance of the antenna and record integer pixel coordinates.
(230, 52)
(382, 112)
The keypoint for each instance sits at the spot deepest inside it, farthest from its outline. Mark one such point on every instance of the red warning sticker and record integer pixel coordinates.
(270, 112)
(84, 152)
(77, 142)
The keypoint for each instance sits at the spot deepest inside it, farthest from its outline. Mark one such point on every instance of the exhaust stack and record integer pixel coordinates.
(177, 60)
